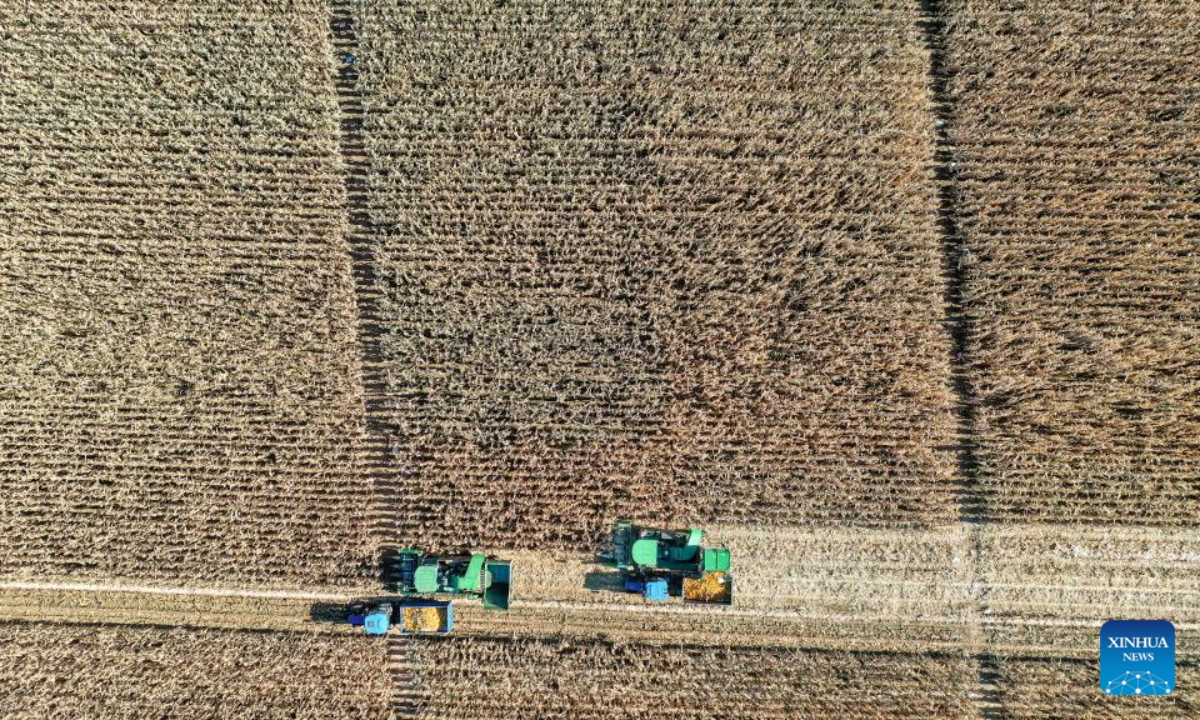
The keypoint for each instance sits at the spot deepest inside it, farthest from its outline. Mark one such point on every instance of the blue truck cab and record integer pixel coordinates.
(378, 621)
(655, 590)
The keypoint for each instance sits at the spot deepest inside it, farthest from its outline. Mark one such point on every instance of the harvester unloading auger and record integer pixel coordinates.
(662, 563)
(415, 611)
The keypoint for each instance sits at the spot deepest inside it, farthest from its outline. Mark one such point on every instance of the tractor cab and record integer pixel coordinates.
(378, 621)
(374, 618)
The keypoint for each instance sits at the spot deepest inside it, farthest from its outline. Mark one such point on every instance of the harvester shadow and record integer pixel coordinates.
(604, 580)
(333, 613)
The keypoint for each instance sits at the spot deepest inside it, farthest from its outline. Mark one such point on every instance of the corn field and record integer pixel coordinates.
(635, 272)
(897, 300)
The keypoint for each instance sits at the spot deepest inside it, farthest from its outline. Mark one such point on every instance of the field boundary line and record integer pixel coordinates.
(972, 503)
(385, 481)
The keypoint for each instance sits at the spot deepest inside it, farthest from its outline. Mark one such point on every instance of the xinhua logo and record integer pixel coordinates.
(1137, 657)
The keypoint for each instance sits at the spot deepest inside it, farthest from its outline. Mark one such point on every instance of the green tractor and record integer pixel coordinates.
(659, 563)
(474, 574)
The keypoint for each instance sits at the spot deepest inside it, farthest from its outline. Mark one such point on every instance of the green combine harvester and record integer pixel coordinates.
(414, 610)
(663, 563)
(475, 575)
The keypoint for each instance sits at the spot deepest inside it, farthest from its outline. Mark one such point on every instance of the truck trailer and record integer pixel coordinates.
(409, 615)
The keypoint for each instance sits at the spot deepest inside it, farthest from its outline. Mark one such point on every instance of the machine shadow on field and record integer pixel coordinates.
(604, 580)
(334, 613)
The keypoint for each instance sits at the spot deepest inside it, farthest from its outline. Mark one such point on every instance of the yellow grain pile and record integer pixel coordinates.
(1076, 128)
(52, 672)
(427, 619)
(710, 587)
(179, 373)
(671, 258)
(492, 679)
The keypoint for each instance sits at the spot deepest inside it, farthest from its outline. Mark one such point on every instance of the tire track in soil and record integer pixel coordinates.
(408, 694)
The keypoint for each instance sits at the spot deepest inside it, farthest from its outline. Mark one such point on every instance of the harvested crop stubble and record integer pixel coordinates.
(1078, 185)
(645, 622)
(179, 376)
(1093, 573)
(499, 679)
(671, 258)
(1051, 587)
(1070, 688)
(50, 672)
(823, 571)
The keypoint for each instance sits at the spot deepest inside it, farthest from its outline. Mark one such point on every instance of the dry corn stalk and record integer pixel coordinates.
(179, 365)
(62, 672)
(516, 679)
(1077, 185)
(688, 270)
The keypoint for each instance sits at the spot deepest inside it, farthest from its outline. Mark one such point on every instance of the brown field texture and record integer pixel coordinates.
(51, 672)
(674, 259)
(1078, 192)
(1048, 591)
(502, 679)
(1068, 688)
(671, 259)
(106, 605)
(180, 391)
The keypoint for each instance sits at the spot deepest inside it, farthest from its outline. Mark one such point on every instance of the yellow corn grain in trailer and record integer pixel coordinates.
(711, 587)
